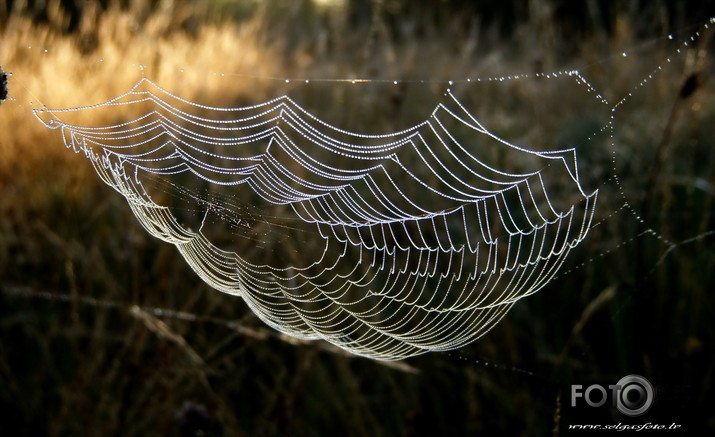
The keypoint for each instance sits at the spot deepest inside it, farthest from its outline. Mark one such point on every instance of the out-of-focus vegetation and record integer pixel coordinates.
(91, 358)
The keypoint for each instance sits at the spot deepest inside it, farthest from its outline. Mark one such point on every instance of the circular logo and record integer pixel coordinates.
(635, 396)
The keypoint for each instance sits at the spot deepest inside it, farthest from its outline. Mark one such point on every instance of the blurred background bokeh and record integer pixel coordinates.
(105, 330)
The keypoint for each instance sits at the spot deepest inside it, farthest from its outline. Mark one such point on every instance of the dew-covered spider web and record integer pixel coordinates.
(386, 244)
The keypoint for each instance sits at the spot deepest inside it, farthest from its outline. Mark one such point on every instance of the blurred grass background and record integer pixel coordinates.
(83, 353)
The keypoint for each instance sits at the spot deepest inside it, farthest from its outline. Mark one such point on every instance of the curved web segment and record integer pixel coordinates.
(385, 245)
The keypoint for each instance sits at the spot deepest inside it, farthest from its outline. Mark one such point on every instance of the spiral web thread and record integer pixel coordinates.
(388, 245)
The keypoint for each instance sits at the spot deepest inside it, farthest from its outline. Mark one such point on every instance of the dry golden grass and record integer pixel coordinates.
(57, 70)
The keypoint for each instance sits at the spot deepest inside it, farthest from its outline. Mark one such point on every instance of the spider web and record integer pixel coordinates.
(386, 245)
